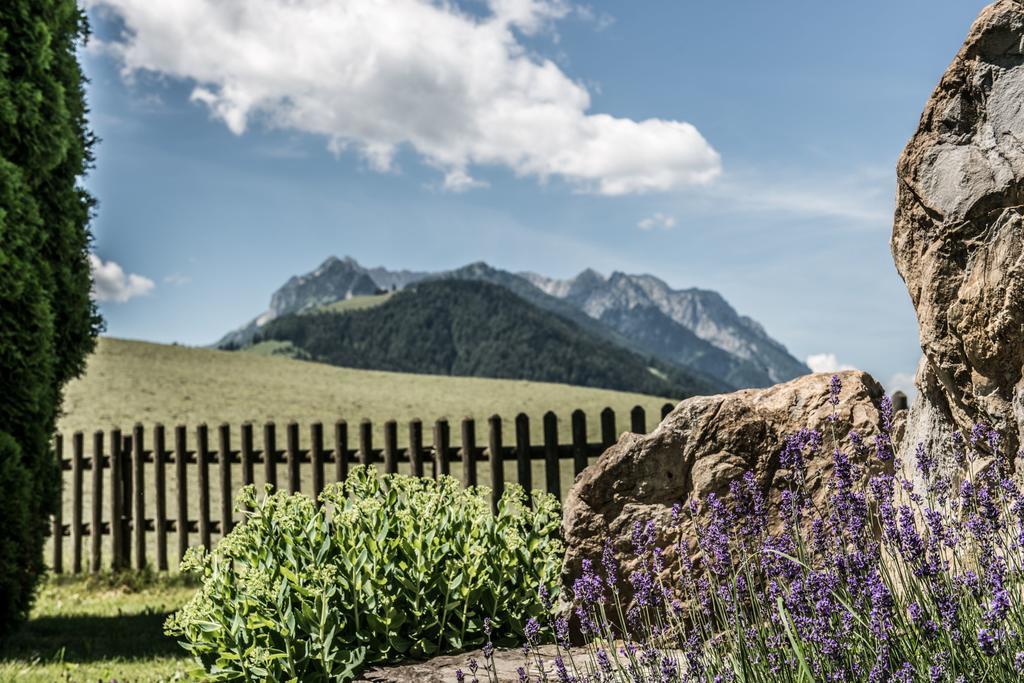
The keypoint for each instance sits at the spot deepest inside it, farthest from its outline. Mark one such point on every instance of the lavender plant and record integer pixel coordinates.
(386, 568)
(888, 580)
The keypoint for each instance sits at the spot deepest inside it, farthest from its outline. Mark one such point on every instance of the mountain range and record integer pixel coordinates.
(475, 329)
(692, 330)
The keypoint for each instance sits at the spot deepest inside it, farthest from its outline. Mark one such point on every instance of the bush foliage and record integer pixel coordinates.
(47, 321)
(387, 568)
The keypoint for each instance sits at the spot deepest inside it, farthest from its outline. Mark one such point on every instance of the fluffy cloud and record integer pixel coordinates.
(374, 76)
(658, 220)
(826, 362)
(111, 283)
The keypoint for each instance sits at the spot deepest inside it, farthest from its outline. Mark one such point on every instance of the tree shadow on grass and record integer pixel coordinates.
(90, 638)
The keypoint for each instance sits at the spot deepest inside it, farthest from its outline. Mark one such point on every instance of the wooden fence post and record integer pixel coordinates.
(96, 527)
(638, 420)
(468, 447)
(246, 454)
(203, 465)
(340, 451)
(391, 447)
(292, 460)
(416, 447)
(58, 513)
(224, 472)
(77, 477)
(116, 502)
(160, 481)
(442, 465)
(608, 434)
(524, 468)
(365, 442)
(316, 457)
(552, 475)
(181, 474)
(126, 498)
(579, 442)
(495, 453)
(270, 454)
(139, 484)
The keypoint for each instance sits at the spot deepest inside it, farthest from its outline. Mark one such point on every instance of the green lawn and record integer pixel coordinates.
(99, 630)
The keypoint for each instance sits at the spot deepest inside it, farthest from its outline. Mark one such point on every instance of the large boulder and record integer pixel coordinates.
(958, 238)
(702, 446)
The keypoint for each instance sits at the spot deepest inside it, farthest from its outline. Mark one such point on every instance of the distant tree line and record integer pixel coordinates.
(474, 329)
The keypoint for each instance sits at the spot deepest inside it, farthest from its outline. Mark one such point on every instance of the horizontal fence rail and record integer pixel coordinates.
(131, 473)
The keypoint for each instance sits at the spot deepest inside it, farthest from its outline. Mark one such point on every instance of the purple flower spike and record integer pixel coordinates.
(562, 631)
(532, 630)
(834, 389)
(669, 669)
(563, 675)
(610, 566)
(545, 597)
(885, 408)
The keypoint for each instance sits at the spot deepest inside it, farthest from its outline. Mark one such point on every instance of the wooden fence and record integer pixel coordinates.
(127, 460)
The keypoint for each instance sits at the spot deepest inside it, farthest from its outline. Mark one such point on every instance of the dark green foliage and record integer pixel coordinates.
(47, 320)
(480, 330)
(388, 568)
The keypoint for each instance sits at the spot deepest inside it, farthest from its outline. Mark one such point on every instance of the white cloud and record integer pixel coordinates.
(601, 20)
(658, 220)
(862, 197)
(111, 283)
(826, 362)
(177, 279)
(375, 76)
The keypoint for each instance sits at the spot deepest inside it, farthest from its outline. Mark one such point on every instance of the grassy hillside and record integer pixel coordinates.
(357, 303)
(475, 329)
(131, 381)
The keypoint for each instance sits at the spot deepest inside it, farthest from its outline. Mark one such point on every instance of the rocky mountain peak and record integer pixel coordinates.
(695, 329)
(705, 313)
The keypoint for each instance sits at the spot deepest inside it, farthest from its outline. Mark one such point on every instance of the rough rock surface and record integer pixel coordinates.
(442, 669)
(958, 237)
(699, 448)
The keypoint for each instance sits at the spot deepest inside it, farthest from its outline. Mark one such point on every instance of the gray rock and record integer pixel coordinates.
(700, 448)
(442, 669)
(958, 238)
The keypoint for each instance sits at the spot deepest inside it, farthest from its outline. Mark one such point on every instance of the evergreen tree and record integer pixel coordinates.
(48, 322)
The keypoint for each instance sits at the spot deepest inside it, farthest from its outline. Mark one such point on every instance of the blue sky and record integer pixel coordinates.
(244, 142)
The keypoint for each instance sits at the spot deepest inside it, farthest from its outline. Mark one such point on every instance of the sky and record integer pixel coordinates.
(745, 147)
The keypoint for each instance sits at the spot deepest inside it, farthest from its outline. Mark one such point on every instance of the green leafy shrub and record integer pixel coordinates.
(388, 568)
